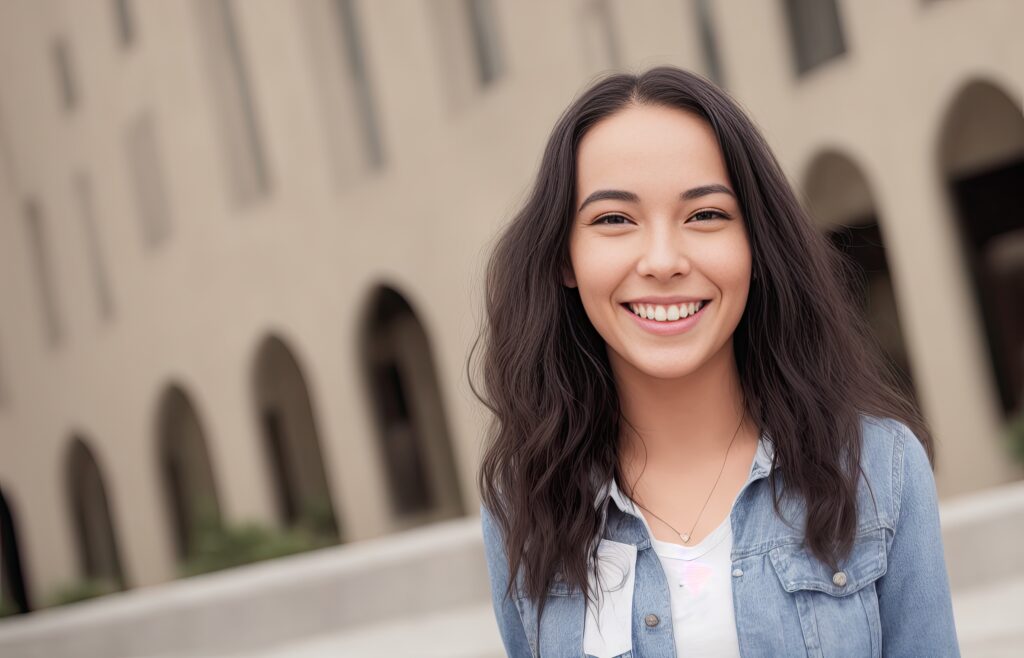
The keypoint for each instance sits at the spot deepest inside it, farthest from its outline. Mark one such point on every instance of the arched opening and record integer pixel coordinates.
(14, 596)
(90, 513)
(291, 441)
(982, 161)
(841, 203)
(413, 434)
(187, 474)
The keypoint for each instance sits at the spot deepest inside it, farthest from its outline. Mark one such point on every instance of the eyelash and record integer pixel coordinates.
(719, 215)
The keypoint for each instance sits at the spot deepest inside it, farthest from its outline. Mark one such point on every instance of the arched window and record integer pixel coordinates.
(414, 439)
(186, 471)
(291, 440)
(982, 160)
(90, 512)
(842, 206)
(13, 593)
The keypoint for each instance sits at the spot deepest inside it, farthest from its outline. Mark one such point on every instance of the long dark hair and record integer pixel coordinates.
(807, 360)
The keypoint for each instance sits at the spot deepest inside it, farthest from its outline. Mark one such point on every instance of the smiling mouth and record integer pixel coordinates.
(666, 313)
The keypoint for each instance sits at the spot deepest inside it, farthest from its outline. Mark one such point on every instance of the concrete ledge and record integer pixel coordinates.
(982, 535)
(391, 581)
(426, 569)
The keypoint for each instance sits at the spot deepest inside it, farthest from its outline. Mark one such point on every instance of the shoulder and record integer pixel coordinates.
(892, 459)
(890, 442)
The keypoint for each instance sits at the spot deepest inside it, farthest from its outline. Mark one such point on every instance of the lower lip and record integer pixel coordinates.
(668, 328)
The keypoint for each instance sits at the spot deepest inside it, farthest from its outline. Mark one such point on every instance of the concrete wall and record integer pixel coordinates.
(301, 260)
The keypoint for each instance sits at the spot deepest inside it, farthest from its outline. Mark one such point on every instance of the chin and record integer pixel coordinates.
(664, 368)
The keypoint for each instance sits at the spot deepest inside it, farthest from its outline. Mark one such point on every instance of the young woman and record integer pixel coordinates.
(698, 449)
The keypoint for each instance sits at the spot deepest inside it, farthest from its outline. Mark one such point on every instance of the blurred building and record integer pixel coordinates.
(241, 243)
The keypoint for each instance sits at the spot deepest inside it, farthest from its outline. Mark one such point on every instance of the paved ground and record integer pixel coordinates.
(990, 624)
(990, 620)
(468, 632)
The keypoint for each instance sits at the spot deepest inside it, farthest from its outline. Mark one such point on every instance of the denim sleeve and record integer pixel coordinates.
(510, 624)
(913, 595)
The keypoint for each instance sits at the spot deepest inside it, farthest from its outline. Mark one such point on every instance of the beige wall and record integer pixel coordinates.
(301, 261)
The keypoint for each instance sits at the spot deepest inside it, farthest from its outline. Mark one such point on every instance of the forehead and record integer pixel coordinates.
(649, 149)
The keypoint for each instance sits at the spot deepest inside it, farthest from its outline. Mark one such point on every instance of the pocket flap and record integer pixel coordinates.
(797, 569)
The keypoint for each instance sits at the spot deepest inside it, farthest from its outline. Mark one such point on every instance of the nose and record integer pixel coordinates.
(665, 253)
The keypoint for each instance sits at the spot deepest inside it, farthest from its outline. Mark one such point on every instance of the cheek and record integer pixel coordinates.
(599, 270)
(730, 269)
(728, 264)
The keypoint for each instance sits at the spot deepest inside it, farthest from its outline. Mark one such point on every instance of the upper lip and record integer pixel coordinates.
(665, 301)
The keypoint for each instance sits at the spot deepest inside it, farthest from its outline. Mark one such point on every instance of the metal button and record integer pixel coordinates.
(651, 620)
(839, 578)
(736, 573)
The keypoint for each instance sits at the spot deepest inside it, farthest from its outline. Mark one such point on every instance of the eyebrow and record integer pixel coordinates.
(631, 197)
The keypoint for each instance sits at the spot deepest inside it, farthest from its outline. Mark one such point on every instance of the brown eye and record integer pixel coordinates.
(611, 220)
(710, 214)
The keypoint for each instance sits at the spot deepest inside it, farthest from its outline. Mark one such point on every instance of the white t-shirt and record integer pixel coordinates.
(700, 582)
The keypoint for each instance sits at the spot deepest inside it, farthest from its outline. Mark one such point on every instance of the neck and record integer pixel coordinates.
(684, 424)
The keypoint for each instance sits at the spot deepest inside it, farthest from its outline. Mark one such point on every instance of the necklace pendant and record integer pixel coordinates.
(685, 536)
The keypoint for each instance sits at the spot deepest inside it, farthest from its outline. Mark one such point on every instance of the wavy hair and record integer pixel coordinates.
(808, 362)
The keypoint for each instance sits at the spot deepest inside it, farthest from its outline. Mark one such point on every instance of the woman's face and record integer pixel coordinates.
(658, 225)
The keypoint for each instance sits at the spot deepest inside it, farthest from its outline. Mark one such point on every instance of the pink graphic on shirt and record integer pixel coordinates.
(695, 576)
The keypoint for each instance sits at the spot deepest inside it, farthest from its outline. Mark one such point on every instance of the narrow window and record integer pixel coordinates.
(147, 176)
(125, 21)
(231, 93)
(353, 56)
(815, 32)
(100, 279)
(469, 48)
(65, 80)
(43, 266)
(601, 48)
(483, 28)
(337, 59)
(708, 41)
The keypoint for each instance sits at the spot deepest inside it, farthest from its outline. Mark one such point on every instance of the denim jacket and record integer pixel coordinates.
(889, 597)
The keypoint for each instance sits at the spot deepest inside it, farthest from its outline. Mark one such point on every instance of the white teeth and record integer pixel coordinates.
(666, 313)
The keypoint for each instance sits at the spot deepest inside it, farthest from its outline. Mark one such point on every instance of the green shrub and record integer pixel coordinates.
(318, 518)
(228, 545)
(8, 608)
(81, 590)
(1015, 431)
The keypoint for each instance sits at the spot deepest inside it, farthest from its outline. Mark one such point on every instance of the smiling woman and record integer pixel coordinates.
(697, 448)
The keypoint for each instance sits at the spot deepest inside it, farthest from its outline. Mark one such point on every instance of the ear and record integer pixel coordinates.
(568, 277)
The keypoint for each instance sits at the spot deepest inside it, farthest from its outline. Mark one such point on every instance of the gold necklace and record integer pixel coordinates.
(685, 536)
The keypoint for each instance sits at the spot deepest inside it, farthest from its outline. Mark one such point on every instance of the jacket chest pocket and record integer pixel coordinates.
(838, 609)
